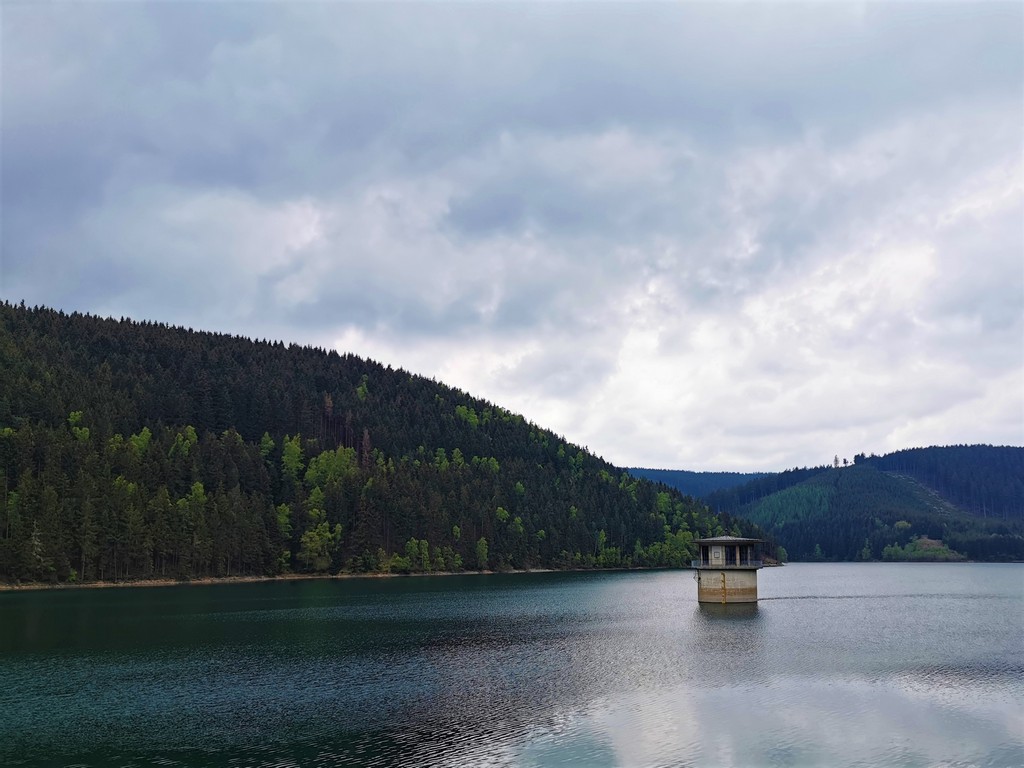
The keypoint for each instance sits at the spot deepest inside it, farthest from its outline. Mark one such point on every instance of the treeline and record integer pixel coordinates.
(696, 484)
(137, 450)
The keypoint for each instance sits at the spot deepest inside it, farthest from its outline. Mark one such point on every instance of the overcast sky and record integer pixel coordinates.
(696, 236)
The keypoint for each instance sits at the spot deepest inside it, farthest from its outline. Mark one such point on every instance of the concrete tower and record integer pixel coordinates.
(727, 569)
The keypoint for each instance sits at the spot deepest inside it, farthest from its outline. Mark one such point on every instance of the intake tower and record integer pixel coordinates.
(727, 569)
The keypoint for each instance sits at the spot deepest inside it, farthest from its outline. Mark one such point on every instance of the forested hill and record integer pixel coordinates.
(984, 480)
(696, 484)
(136, 450)
(923, 503)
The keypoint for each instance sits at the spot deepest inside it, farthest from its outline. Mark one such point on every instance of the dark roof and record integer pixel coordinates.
(728, 540)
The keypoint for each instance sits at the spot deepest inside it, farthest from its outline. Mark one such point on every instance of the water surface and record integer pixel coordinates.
(845, 664)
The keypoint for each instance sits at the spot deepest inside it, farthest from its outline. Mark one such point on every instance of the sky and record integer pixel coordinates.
(704, 236)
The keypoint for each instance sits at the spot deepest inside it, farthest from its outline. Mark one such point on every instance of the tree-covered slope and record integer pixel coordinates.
(865, 512)
(696, 484)
(734, 498)
(985, 480)
(137, 450)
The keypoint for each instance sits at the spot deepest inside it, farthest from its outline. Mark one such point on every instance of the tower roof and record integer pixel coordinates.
(728, 540)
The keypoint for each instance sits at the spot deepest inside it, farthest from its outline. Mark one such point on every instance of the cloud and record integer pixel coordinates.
(693, 236)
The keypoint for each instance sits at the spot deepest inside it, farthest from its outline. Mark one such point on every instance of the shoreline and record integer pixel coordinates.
(36, 586)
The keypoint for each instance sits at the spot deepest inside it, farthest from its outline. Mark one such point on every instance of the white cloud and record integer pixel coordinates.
(699, 237)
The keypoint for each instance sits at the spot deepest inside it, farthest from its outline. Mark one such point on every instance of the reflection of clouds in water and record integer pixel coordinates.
(647, 676)
(725, 644)
(743, 713)
(992, 692)
(802, 722)
(642, 734)
(632, 672)
(549, 669)
(583, 747)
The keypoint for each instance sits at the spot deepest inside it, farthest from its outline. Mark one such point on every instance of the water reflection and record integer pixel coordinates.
(727, 611)
(557, 669)
(726, 644)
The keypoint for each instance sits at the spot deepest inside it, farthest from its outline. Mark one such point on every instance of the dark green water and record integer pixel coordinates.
(869, 665)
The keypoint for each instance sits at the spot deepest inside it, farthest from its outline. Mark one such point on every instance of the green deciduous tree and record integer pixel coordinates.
(316, 547)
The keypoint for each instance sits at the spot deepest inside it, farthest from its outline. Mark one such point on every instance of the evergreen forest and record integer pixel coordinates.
(136, 450)
(696, 484)
(937, 503)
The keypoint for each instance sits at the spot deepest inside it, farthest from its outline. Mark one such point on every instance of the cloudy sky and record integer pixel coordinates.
(700, 236)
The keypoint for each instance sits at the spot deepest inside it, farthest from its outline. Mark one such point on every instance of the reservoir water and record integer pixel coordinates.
(838, 665)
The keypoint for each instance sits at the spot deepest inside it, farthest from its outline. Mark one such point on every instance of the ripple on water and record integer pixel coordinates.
(579, 669)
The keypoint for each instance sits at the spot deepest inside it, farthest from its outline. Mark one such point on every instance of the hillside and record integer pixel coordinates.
(137, 450)
(984, 480)
(928, 503)
(696, 484)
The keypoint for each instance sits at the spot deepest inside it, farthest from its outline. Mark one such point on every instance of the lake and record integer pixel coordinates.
(837, 665)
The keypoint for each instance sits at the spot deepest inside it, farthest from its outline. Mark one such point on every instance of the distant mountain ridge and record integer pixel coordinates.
(696, 484)
(958, 500)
